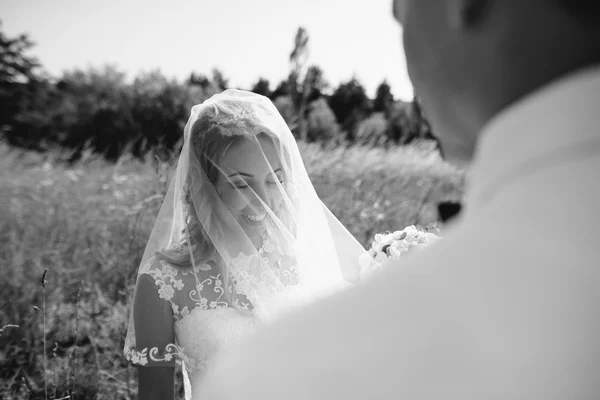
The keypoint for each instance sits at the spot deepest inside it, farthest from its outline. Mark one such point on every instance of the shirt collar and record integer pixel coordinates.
(557, 123)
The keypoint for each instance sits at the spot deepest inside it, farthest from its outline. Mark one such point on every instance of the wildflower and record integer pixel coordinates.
(72, 175)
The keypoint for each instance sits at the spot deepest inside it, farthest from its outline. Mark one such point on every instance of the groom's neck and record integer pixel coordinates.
(534, 54)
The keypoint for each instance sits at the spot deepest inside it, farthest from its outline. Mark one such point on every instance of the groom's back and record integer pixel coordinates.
(505, 306)
(498, 309)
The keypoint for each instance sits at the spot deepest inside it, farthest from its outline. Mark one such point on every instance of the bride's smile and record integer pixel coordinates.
(248, 183)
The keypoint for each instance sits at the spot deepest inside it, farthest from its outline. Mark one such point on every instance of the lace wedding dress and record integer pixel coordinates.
(203, 281)
(204, 319)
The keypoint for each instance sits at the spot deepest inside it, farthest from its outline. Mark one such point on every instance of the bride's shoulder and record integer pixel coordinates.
(158, 264)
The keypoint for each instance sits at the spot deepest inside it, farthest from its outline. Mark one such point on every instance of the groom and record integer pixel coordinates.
(507, 305)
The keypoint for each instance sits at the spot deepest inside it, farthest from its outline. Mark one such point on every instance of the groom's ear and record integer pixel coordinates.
(468, 14)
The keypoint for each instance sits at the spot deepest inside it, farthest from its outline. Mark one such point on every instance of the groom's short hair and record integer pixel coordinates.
(585, 10)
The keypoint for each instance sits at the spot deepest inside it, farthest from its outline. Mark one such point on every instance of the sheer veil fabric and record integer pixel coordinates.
(241, 231)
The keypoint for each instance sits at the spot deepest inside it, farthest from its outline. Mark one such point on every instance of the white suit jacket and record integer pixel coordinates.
(505, 306)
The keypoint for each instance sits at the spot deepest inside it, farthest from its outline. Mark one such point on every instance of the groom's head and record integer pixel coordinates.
(468, 59)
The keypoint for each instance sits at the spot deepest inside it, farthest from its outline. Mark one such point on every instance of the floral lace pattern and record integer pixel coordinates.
(264, 275)
(146, 355)
(208, 313)
(204, 291)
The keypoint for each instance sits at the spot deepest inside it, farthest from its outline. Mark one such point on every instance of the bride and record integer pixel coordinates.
(240, 238)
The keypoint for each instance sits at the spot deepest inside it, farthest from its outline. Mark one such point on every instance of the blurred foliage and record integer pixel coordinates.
(372, 130)
(101, 110)
(87, 222)
(322, 125)
(262, 87)
(350, 105)
(383, 98)
(285, 106)
(87, 225)
(18, 82)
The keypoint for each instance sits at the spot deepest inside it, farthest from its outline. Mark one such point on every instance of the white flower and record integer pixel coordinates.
(397, 249)
(381, 241)
(398, 235)
(381, 258)
(411, 232)
(396, 245)
(377, 246)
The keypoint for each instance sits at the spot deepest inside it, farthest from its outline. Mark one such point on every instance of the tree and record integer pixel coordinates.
(219, 79)
(314, 84)
(383, 99)
(399, 122)
(262, 87)
(285, 106)
(322, 125)
(350, 105)
(199, 80)
(424, 127)
(372, 130)
(299, 55)
(297, 79)
(18, 83)
(407, 122)
(282, 89)
(94, 110)
(160, 108)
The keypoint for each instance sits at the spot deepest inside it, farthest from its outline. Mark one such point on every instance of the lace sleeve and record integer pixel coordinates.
(153, 343)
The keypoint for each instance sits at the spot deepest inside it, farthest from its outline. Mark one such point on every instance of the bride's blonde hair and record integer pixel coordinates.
(209, 145)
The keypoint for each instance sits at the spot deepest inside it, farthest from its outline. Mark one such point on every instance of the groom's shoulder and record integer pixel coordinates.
(355, 321)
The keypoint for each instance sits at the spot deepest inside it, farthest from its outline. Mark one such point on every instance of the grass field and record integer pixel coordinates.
(86, 225)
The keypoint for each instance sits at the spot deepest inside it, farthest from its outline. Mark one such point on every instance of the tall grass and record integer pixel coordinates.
(61, 332)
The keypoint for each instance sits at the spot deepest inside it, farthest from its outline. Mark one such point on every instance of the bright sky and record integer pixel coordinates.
(243, 38)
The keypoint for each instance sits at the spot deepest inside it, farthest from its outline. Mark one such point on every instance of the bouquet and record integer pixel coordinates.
(392, 246)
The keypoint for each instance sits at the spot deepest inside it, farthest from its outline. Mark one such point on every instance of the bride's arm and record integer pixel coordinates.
(156, 383)
(154, 330)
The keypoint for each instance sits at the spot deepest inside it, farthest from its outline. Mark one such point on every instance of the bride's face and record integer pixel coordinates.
(246, 182)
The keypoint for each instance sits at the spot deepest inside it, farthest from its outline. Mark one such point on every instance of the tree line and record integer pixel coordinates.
(98, 110)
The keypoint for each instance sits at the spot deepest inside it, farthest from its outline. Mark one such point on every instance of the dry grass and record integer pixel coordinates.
(86, 226)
